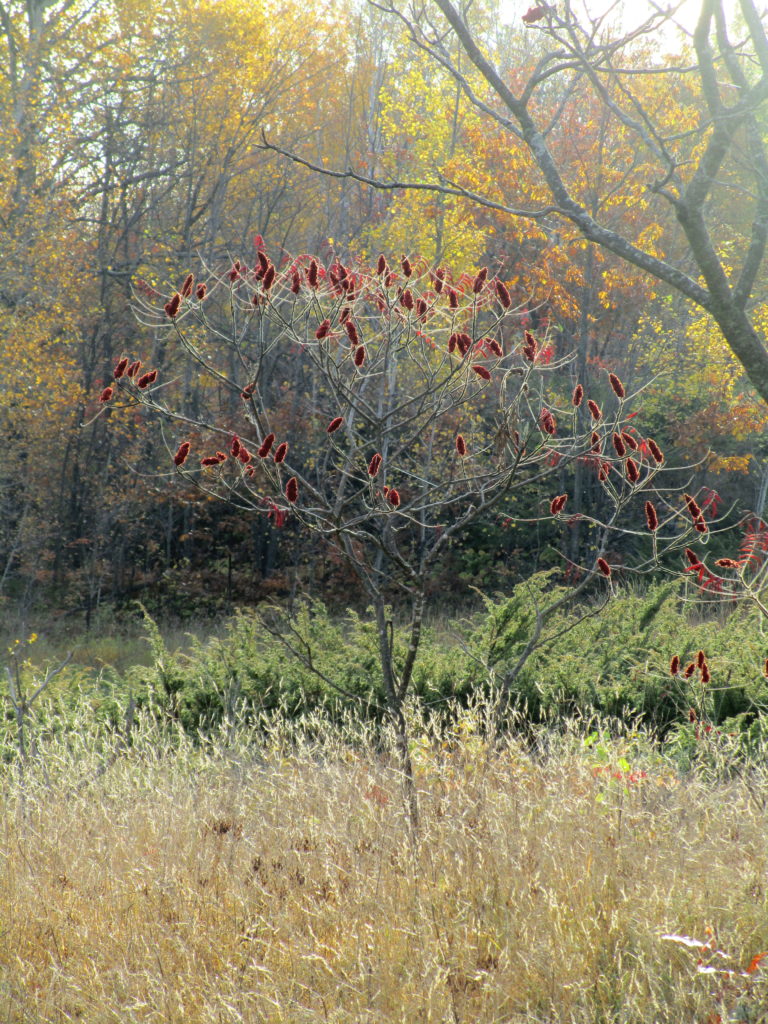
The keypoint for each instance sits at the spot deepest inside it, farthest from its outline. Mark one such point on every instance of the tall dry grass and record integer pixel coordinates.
(278, 882)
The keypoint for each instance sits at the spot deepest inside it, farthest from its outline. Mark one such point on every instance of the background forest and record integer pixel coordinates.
(132, 152)
(383, 569)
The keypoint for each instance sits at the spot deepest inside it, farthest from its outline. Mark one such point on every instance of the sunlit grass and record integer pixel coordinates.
(277, 881)
(112, 644)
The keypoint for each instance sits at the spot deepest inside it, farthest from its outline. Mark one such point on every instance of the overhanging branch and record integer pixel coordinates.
(413, 186)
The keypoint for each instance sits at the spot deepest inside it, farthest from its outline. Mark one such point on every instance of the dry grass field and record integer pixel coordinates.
(279, 884)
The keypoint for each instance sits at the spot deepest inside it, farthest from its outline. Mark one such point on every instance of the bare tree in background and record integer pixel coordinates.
(700, 171)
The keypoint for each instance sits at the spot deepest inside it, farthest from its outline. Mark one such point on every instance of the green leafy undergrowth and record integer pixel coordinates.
(589, 660)
(615, 660)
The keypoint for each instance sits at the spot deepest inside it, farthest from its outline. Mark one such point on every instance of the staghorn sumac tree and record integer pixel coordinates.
(420, 406)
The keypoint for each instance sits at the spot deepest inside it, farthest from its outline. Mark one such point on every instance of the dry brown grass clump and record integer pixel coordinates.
(188, 885)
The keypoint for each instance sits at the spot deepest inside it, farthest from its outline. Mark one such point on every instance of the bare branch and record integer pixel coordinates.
(417, 186)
